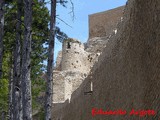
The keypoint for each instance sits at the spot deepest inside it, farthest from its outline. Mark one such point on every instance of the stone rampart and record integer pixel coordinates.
(127, 74)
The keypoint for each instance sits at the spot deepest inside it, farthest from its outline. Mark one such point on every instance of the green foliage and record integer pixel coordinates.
(4, 83)
(61, 36)
(40, 34)
(62, 2)
(39, 51)
(40, 115)
(3, 95)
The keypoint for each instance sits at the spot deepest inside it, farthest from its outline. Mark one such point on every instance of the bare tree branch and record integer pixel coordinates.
(63, 21)
(72, 10)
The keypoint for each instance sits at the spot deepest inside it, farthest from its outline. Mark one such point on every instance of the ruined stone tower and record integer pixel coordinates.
(71, 69)
(76, 59)
(74, 56)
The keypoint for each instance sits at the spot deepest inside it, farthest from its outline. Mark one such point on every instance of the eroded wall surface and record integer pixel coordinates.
(73, 65)
(100, 24)
(127, 75)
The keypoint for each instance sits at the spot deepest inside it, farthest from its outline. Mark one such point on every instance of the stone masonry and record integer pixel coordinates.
(127, 73)
(73, 65)
(76, 59)
(100, 24)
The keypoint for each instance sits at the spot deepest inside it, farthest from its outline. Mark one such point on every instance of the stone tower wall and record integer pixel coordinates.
(74, 58)
(58, 61)
(59, 86)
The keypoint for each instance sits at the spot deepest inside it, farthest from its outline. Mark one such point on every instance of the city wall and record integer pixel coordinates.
(127, 74)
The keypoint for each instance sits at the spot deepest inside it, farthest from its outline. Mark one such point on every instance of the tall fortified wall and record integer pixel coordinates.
(100, 24)
(76, 59)
(127, 74)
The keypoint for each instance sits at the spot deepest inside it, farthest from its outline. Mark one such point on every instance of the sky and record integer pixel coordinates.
(79, 26)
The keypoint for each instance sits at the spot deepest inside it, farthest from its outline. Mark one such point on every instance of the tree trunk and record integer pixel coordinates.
(49, 92)
(1, 34)
(17, 99)
(26, 67)
(3, 116)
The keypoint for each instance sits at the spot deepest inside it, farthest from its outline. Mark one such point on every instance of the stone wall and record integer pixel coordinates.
(59, 86)
(65, 83)
(100, 24)
(71, 68)
(74, 57)
(127, 75)
(58, 61)
(73, 65)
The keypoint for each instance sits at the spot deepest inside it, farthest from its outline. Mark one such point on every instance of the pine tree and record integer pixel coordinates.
(61, 36)
(49, 91)
(40, 33)
(17, 95)
(26, 67)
